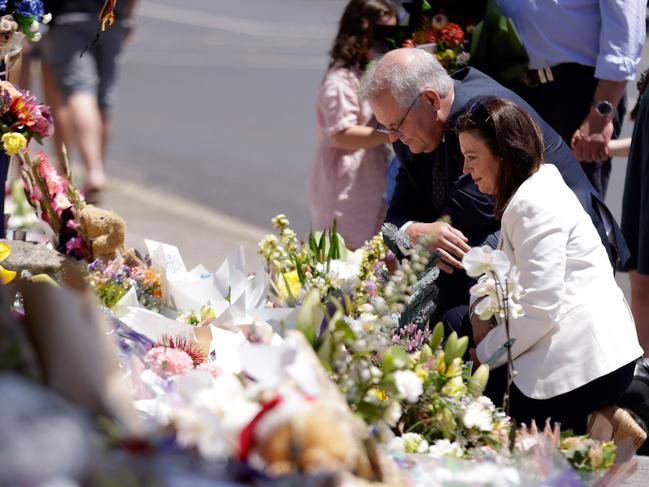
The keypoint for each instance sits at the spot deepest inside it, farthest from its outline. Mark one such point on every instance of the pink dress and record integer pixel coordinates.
(347, 185)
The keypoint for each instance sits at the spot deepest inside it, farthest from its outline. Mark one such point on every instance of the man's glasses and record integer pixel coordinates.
(388, 131)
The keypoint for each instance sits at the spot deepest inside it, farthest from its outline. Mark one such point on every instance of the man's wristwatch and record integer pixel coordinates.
(603, 107)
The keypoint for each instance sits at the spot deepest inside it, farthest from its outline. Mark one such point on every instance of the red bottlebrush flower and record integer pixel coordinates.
(184, 344)
(452, 35)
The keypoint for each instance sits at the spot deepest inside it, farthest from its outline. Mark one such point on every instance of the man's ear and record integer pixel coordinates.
(432, 97)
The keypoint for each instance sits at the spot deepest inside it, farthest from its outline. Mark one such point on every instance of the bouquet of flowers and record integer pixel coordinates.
(113, 279)
(20, 19)
(22, 118)
(445, 30)
(323, 263)
(57, 202)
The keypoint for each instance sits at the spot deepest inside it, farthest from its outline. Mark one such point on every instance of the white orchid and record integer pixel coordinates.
(498, 280)
(485, 260)
(409, 385)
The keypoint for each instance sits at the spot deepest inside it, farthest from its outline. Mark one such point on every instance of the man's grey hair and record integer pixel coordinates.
(405, 80)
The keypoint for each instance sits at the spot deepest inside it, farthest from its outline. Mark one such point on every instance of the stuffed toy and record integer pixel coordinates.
(296, 435)
(104, 230)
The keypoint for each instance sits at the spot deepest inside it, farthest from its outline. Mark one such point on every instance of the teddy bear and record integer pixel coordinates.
(104, 230)
(307, 436)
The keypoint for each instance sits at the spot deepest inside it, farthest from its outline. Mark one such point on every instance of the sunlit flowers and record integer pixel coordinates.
(484, 260)
(497, 291)
(409, 385)
(478, 415)
(22, 114)
(13, 143)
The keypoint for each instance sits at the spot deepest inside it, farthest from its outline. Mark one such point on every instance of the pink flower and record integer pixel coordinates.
(43, 125)
(73, 224)
(73, 244)
(60, 203)
(168, 361)
(36, 194)
(56, 184)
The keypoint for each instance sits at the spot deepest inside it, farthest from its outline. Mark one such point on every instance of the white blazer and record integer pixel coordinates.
(577, 325)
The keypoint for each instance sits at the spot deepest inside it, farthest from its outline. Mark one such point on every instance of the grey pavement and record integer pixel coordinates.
(202, 235)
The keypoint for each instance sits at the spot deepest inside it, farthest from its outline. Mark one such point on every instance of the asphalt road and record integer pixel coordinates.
(217, 103)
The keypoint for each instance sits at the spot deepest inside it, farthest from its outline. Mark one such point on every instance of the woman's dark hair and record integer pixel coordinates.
(511, 135)
(353, 42)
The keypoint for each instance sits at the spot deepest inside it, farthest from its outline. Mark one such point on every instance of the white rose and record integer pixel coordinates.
(409, 385)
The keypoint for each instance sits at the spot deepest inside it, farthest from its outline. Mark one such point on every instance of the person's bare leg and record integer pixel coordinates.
(106, 132)
(86, 120)
(640, 307)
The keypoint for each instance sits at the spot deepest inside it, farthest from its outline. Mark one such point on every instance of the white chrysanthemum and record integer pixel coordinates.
(477, 416)
(409, 385)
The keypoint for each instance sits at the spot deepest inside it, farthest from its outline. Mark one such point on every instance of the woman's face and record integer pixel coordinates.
(479, 162)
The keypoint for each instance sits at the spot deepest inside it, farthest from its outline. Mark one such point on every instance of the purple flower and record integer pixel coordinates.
(96, 265)
(3, 6)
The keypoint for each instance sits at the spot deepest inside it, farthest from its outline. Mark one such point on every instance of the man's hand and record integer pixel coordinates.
(449, 241)
(590, 141)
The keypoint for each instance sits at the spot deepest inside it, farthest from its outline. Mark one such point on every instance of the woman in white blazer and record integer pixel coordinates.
(576, 344)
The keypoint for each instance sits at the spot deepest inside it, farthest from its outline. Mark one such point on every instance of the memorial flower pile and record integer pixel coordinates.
(322, 263)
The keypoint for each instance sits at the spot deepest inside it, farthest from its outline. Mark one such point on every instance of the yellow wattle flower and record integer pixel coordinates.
(13, 142)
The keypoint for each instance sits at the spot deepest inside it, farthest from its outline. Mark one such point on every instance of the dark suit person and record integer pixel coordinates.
(417, 102)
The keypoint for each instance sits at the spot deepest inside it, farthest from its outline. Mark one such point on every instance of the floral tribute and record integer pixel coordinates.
(20, 19)
(445, 30)
(113, 279)
(496, 293)
(53, 195)
(22, 118)
(323, 263)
